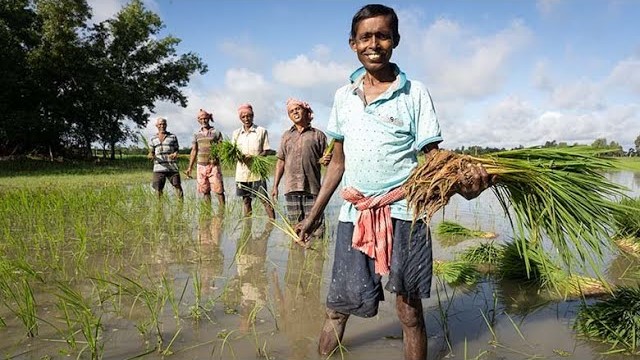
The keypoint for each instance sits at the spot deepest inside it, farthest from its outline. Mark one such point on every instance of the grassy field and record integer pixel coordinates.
(630, 163)
(132, 169)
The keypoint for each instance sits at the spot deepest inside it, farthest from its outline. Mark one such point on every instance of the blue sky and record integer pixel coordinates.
(501, 73)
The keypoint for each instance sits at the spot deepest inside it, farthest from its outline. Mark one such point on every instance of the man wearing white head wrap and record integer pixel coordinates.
(252, 140)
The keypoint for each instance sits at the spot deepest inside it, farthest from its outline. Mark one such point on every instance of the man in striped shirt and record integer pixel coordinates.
(163, 150)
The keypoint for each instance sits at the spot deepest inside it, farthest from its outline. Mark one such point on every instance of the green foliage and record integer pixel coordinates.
(69, 84)
(615, 320)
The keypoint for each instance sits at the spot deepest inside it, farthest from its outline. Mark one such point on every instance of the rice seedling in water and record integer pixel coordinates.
(456, 272)
(557, 193)
(615, 321)
(453, 229)
(483, 254)
(78, 311)
(17, 294)
(538, 268)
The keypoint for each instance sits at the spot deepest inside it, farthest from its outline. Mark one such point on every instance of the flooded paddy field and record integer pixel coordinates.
(111, 272)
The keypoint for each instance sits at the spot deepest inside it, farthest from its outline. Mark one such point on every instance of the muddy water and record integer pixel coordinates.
(262, 298)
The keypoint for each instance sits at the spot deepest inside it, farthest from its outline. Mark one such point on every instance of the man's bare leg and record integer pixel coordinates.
(332, 331)
(414, 334)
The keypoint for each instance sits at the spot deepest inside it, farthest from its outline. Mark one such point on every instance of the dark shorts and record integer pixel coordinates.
(356, 289)
(298, 205)
(160, 178)
(250, 189)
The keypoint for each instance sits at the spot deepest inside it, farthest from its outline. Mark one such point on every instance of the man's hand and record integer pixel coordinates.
(473, 180)
(274, 193)
(150, 155)
(188, 173)
(304, 229)
(173, 156)
(325, 160)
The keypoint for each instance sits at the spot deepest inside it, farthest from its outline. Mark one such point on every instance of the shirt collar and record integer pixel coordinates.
(357, 77)
(293, 128)
(251, 129)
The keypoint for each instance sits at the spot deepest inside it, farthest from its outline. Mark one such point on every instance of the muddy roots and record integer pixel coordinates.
(432, 184)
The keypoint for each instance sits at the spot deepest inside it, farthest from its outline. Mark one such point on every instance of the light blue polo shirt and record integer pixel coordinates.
(382, 140)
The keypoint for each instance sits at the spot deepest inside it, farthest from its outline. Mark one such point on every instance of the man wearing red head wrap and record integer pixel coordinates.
(252, 140)
(208, 173)
(300, 155)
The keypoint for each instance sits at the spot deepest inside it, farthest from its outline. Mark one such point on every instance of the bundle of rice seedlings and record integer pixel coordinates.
(456, 272)
(628, 222)
(629, 245)
(538, 268)
(229, 154)
(484, 256)
(452, 229)
(557, 193)
(615, 320)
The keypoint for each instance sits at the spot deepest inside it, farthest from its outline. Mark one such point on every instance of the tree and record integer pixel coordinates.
(599, 143)
(65, 85)
(139, 69)
(18, 35)
(637, 144)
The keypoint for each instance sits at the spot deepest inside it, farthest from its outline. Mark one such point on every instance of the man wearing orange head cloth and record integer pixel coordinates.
(300, 155)
(208, 175)
(252, 140)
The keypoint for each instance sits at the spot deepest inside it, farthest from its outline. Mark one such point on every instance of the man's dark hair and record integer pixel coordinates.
(373, 10)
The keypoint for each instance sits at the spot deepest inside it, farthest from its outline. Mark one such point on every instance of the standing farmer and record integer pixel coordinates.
(208, 172)
(163, 150)
(381, 121)
(299, 158)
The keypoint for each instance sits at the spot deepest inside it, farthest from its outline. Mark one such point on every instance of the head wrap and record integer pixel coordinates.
(291, 102)
(205, 115)
(244, 107)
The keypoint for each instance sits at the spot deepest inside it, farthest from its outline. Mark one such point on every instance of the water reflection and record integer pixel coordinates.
(299, 307)
(251, 253)
(211, 257)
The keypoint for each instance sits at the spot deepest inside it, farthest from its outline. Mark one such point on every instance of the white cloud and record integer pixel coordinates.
(303, 72)
(579, 95)
(104, 9)
(626, 74)
(459, 63)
